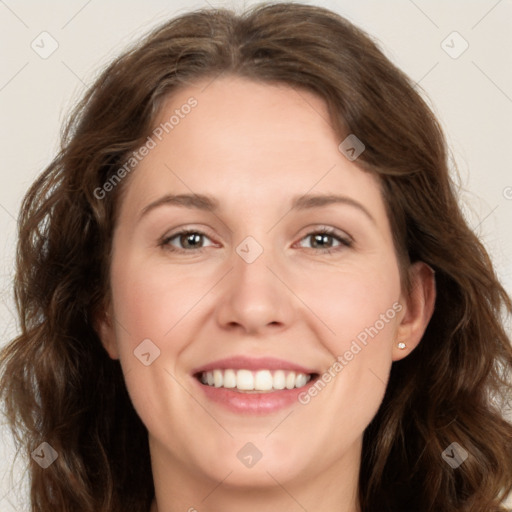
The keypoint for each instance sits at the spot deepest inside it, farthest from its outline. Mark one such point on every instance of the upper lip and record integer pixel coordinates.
(253, 363)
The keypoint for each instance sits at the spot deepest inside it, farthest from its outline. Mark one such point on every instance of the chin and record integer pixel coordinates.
(257, 463)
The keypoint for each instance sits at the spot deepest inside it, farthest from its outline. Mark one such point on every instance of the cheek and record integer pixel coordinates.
(149, 302)
(359, 310)
(357, 303)
(146, 309)
(351, 389)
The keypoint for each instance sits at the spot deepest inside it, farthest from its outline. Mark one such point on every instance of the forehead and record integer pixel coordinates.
(254, 143)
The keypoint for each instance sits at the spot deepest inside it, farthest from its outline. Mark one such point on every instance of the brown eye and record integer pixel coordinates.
(185, 241)
(326, 240)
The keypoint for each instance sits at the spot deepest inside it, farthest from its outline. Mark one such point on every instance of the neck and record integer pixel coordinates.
(180, 489)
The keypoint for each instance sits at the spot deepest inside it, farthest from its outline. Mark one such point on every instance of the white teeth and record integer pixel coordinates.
(290, 380)
(261, 380)
(300, 380)
(217, 378)
(244, 380)
(279, 379)
(229, 379)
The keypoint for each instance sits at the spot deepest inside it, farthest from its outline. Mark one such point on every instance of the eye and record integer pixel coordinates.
(326, 240)
(185, 241)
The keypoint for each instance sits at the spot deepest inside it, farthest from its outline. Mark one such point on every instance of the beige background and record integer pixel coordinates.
(471, 94)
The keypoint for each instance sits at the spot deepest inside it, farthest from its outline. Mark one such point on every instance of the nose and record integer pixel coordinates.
(254, 297)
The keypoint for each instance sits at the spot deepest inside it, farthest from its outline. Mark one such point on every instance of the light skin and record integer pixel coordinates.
(254, 148)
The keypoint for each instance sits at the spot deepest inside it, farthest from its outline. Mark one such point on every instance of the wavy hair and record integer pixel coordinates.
(58, 384)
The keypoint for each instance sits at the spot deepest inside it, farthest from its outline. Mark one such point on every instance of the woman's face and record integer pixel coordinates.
(254, 295)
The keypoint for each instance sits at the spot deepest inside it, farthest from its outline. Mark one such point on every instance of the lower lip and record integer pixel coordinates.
(254, 403)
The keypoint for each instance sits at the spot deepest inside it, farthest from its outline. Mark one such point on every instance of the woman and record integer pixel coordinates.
(245, 283)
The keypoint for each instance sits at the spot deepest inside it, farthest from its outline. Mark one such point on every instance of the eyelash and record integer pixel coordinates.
(344, 242)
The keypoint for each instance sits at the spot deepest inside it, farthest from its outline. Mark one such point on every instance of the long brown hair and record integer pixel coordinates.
(58, 384)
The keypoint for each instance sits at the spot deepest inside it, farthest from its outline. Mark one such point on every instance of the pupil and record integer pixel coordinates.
(191, 239)
(322, 239)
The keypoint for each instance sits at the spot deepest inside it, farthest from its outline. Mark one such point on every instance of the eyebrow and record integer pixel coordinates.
(210, 204)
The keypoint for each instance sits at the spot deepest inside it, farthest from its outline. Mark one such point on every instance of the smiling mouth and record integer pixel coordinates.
(260, 381)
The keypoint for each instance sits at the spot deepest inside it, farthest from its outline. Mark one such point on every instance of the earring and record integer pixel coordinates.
(401, 345)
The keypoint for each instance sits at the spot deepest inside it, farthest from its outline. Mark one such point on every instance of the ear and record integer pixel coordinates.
(419, 305)
(104, 327)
